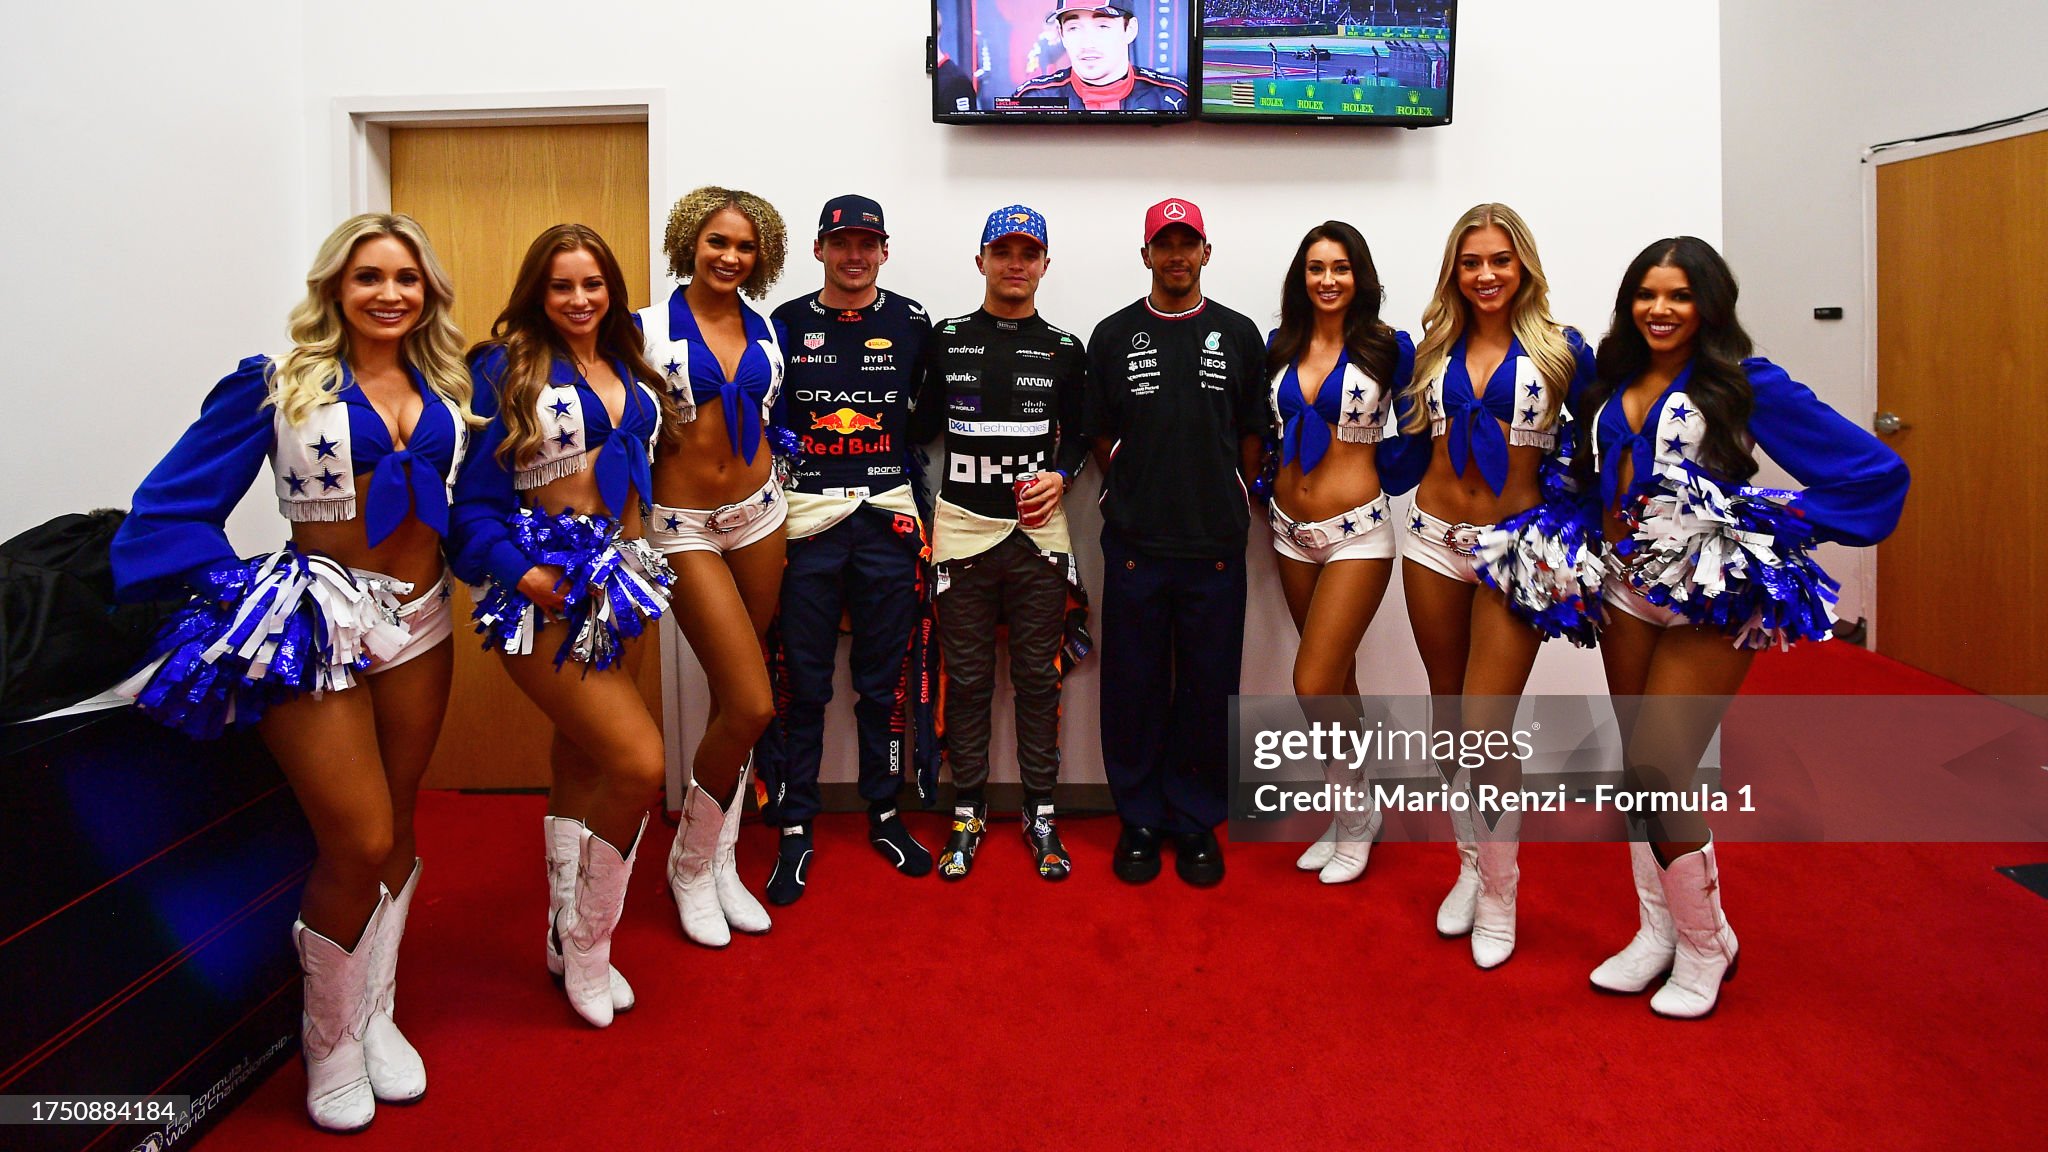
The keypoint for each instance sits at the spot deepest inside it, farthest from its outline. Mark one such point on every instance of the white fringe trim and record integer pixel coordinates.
(317, 511)
(1531, 438)
(549, 472)
(1356, 435)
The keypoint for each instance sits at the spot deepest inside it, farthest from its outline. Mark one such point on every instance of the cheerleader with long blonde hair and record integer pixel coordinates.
(333, 646)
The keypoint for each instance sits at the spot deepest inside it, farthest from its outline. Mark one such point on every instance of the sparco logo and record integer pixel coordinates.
(966, 350)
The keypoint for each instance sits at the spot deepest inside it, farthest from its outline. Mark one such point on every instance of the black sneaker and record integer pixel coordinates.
(792, 863)
(890, 838)
(1042, 835)
(970, 822)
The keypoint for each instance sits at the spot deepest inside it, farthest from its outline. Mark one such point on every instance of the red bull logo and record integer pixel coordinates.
(846, 422)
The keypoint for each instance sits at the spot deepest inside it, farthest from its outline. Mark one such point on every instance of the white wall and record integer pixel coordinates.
(156, 199)
(1805, 88)
(1628, 150)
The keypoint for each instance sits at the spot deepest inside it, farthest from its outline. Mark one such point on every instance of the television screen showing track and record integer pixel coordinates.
(1272, 58)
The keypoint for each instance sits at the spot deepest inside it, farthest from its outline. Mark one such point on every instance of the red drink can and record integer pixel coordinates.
(1021, 487)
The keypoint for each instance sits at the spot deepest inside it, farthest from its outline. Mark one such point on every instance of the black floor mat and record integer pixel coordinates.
(2032, 877)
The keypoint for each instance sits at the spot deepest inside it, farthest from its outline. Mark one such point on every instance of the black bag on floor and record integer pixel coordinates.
(62, 637)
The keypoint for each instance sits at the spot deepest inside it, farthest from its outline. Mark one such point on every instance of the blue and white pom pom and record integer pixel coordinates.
(610, 588)
(1737, 561)
(787, 449)
(1546, 561)
(273, 628)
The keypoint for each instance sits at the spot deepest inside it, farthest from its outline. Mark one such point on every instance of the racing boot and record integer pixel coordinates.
(1042, 836)
(970, 824)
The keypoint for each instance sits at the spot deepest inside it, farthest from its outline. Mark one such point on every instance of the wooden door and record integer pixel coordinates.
(1962, 361)
(483, 194)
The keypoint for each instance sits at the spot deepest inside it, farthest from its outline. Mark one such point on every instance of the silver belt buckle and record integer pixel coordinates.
(1462, 539)
(729, 517)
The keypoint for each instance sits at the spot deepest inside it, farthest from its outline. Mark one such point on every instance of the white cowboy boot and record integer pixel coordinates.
(692, 861)
(1493, 908)
(337, 1006)
(1706, 950)
(1351, 846)
(1454, 915)
(397, 1074)
(587, 924)
(564, 839)
(1318, 854)
(1647, 956)
(742, 911)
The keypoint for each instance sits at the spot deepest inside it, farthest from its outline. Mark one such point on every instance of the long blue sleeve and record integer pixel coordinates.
(178, 526)
(1402, 457)
(479, 544)
(1855, 487)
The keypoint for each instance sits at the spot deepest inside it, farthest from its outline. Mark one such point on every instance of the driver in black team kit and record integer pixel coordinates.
(1006, 387)
(855, 539)
(1100, 76)
(1176, 404)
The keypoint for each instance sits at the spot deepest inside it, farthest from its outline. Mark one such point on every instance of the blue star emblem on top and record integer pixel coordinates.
(1350, 526)
(1529, 415)
(1379, 513)
(1680, 411)
(560, 408)
(672, 522)
(1534, 388)
(296, 482)
(1357, 393)
(324, 448)
(330, 480)
(1675, 444)
(673, 367)
(566, 438)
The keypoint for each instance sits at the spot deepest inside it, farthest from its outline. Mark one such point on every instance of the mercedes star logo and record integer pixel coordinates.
(1141, 341)
(1175, 211)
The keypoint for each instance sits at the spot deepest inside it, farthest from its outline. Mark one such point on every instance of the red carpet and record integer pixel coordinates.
(1890, 995)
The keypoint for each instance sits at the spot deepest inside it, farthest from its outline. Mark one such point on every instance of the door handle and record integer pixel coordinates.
(1889, 424)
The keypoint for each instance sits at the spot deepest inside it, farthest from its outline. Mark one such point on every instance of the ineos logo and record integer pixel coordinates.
(1141, 341)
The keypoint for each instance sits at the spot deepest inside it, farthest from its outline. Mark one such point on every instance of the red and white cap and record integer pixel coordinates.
(1174, 211)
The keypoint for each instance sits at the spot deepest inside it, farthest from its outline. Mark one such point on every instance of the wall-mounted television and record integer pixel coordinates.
(1039, 61)
(1328, 61)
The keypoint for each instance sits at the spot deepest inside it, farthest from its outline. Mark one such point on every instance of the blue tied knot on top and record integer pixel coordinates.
(1303, 438)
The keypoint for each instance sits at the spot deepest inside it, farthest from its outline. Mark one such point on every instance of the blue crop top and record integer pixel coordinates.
(697, 377)
(177, 527)
(487, 493)
(1855, 487)
(1349, 401)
